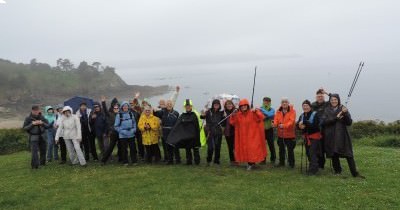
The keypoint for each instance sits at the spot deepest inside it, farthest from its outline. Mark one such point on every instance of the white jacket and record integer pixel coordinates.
(69, 127)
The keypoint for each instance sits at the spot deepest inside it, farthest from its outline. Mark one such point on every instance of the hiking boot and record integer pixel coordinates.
(63, 162)
(249, 168)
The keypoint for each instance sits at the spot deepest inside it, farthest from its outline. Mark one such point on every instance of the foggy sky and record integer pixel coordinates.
(324, 37)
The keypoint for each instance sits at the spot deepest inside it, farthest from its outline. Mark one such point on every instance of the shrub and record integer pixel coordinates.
(12, 140)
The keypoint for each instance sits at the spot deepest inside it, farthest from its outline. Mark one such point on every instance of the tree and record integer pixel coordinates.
(65, 64)
(33, 62)
(96, 65)
(83, 66)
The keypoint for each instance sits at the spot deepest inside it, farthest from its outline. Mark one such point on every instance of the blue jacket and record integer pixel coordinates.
(125, 126)
(269, 114)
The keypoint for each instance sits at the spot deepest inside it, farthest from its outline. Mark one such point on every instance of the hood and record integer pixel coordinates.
(187, 102)
(96, 103)
(216, 101)
(291, 107)
(114, 101)
(123, 104)
(47, 108)
(244, 102)
(66, 108)
(335, 95)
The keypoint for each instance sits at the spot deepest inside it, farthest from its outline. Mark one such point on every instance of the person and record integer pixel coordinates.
(52, 147)
(35, 125)
(149, 125)
(169, 117)
(319, 106)
(187, 133)
(229, 131)
(98, 126)
(213, 129)
(250, 145)
(285, 122)
(309, 124)
(70, 129)
(338, 142)
(112, 133)
(136, 110)
(88, 139)
(269, 114)
(125, 125)
(61, 142)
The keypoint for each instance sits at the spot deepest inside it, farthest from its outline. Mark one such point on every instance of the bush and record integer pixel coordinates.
(381, 141)
(371, 128)
(12, 140)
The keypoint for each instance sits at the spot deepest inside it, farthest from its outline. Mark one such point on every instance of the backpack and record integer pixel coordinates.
(122, 119)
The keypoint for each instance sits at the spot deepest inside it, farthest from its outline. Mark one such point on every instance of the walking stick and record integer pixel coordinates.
(302, 154)
(355, 80)
(254, 84)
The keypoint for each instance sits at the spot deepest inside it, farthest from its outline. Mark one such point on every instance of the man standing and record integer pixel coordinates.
(187, 133)
(89, 144)
(269, 114)
(98, 123)
(169, 117)
(319, 106)
(35, 125)
(285, 122)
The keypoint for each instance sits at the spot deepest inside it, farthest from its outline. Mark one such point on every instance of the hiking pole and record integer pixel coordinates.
(302, 155)
(220, 122)
(254, 84)
(353, 85)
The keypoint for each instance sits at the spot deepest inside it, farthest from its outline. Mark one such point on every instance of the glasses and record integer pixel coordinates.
(116, 108)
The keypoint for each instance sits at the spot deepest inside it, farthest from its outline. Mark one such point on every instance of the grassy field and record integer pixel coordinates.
(200, 187)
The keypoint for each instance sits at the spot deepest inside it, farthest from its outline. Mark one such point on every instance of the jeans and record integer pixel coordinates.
(38, 148)
(110, 148)
(214, 146)
(52, 147)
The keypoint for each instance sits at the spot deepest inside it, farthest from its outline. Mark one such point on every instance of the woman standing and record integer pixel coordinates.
(214, 131)
(338, 143)
(309, 123)
(229, 131)
(249, 135)
(149, 125)
(52, 150)
(70, 129)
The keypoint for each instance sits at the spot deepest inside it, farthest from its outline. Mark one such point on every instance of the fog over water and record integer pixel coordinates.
(210, 47)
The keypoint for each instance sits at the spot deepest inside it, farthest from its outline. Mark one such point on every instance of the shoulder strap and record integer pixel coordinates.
(312, 117)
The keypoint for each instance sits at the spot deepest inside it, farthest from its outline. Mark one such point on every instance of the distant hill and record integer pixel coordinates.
(39, 83)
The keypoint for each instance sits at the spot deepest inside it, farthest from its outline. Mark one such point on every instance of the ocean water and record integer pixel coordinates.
(373, 97)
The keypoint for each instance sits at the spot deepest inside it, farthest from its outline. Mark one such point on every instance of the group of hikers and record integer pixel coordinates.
(138, 127)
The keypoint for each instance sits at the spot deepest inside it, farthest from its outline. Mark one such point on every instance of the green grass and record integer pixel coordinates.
(183, 187)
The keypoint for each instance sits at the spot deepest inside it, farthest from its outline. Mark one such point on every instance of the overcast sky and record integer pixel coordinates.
(149, 33)
(155, 36)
